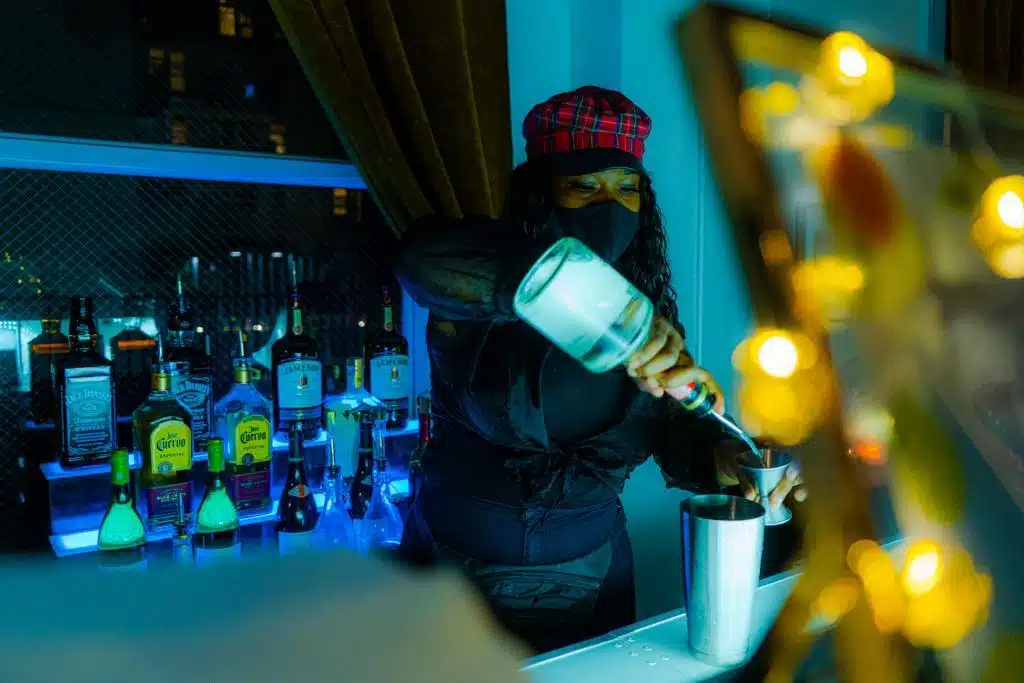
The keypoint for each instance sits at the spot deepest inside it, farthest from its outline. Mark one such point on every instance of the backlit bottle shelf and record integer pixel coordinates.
(53, 471)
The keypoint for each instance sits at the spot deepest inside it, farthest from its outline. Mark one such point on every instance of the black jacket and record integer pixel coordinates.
(489, 435)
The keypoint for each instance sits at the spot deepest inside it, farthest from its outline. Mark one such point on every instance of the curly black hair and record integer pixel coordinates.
(645, 261)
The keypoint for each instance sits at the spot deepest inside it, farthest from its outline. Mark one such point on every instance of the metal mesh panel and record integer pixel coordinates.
(119, 237)
(203, 73)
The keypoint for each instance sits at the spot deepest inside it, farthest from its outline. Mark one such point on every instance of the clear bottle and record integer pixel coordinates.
(296, 512)
(181, 542)
(390, 380)
(584, 306)
(122, 535)
(242, 420)
(336, 527)
(85, 393)
(426, 433)
(162, 428)
(381, 526)
(216, 530)
(346, 424)
(191, 369)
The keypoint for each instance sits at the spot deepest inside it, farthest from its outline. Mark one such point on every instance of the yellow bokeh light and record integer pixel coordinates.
(851, 62)
(777, 356)
(780, 99)
(1011, 210)
(923, 568)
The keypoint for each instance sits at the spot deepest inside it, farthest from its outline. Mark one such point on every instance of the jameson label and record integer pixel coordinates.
(300, 389)
(194, 392)
(252, 440)
(170, 448)
(162, 502)
(389, 378)
(89, 415)
(250, 489)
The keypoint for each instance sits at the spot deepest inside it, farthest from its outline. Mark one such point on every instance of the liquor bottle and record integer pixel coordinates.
(44, 351)
(362, 481)
(296, 512)
(133, 358)
(216, 532)
(162, 427)
(346, 425)
(423, 405)
(336, 526)
(390, 381)
(191, 369)
(181, 542)
(242, 420)
(122, 536)
(381, 526)
(85, 393)
(297, 375)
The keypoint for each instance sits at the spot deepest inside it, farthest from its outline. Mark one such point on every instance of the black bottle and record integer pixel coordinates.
(296, 512)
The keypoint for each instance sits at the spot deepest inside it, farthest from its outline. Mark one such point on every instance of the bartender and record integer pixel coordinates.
(521, 481)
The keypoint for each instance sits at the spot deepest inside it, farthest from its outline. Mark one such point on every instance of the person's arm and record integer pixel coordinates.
(466, 269)
(684, 447)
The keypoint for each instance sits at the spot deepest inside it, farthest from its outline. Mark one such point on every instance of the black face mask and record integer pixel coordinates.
(606, 228)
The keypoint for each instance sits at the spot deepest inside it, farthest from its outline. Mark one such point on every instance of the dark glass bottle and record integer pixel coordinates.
(122, 537)
(296, 512)
(163, 435)
(362, 483)
(191, 369)
(133, 357)
(44, 351)
(388, 358)
(216, 531)
(298, 376)
(85, 393)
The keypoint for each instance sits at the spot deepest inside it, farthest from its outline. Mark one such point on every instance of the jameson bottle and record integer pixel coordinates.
(122, 536)
(216, 531)
(162, 427)
(388, 355)
(44, 351)
(242, 420)
(85, 393)
(190, 369)
(296, 512)
(298, 375)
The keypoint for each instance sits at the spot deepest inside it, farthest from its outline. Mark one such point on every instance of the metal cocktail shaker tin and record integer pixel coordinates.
(722, 543)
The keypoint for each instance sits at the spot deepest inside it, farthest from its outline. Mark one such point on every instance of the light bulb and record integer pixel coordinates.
(1010, 209)
(777, 356)
(922, 570)
(852, 62)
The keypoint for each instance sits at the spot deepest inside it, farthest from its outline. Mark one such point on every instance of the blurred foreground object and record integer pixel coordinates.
(322, 617)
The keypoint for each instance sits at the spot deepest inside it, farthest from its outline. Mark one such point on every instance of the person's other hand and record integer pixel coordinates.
(663, 365)
(727, 465)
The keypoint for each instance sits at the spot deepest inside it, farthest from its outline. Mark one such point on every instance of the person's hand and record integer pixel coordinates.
(663, 365)
(728, 457)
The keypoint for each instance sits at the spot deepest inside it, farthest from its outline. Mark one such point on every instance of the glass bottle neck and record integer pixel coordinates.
(160, 382)
(389, 318)
(120, 494)
(242, 373)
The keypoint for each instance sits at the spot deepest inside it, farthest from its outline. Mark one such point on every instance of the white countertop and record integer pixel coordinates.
(655, 650)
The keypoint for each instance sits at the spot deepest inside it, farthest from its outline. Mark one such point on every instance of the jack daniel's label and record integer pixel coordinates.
(195, 393)
(300, 389)
(88, 414)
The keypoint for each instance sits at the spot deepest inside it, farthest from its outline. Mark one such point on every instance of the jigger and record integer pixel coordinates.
(765, 478)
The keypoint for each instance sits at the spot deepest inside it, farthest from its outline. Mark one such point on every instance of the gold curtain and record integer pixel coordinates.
(418, 92)
(986, 42)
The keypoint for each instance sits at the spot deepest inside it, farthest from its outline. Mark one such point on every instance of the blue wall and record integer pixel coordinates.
(557, 45)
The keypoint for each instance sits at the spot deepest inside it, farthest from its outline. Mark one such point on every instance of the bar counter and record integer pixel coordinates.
(656, 650)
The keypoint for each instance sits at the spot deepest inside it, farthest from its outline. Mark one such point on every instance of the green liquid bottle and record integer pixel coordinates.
(216, 532)
(122, 535)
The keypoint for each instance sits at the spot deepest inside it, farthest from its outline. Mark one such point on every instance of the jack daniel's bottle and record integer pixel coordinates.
(389, 377)
(190, 370)
(297, 375)
(85, 393)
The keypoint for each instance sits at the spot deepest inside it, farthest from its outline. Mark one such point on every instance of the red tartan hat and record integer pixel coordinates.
(587, 129)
